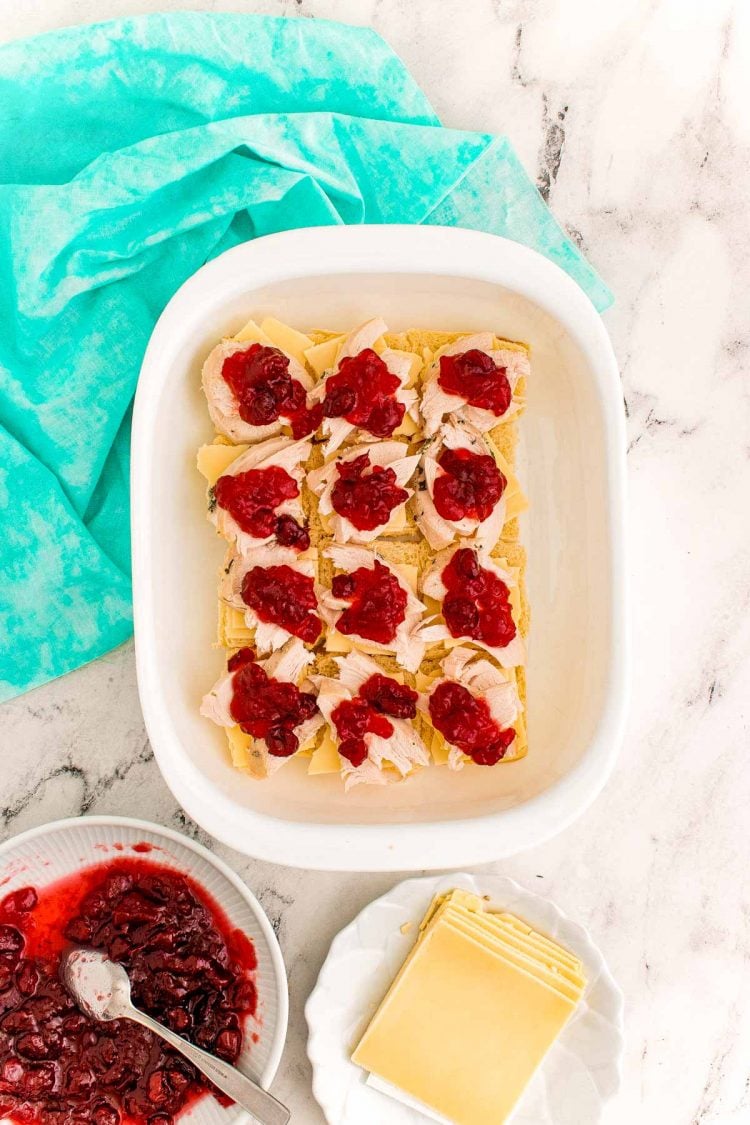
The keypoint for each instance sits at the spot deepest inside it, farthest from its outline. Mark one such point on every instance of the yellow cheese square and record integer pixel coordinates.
(239, 746)
(322, 357)
(214, 460)
(326, 758)
(252, 334)
(462, 1030)
(291, 341)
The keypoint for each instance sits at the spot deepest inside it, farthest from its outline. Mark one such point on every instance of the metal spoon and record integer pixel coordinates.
(102, 989)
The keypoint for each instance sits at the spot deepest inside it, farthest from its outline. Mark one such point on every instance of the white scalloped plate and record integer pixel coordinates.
(46, 854)
(581, 1071)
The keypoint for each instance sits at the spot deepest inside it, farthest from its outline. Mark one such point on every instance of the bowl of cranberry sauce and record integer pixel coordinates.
(200, 953)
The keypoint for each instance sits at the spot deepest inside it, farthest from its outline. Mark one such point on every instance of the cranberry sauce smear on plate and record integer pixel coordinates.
(188, 968)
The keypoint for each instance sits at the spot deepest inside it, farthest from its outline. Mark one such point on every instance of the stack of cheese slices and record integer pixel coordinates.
(472, 1012)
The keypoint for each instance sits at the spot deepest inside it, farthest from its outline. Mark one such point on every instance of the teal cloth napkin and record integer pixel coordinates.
(130, 153)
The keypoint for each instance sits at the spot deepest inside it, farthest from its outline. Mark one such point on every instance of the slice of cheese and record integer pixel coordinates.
(239, 746)
(252, 334)
(408, 428)
(326, 758)
(487, 1022)
(233, 631)
(291, 341)
(214, 460)
(322, 357)
(519, 926)
(512, 945)
(529, 963)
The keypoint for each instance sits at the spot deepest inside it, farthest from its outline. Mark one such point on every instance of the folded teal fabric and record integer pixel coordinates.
(132, 152)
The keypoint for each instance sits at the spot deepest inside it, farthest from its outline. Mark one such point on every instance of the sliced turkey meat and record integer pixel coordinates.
(362, 498)
(336, 427)
(285, 667)
(371, 616)
(397, 748)
(249, 498)
(438, 403)
(469, 613)
(437, 528)
(277, 593)
(225, 408)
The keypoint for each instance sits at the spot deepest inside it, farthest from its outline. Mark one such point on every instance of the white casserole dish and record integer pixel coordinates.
(572, 465)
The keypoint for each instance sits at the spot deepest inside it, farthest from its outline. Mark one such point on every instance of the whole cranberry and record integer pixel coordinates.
(386, 417)
(461, 616)
(343, 586)
(354, 750)
(466, 563)
(20, 901)
(339, 402)
(11, 940)
(289, 533)
(105, 1114)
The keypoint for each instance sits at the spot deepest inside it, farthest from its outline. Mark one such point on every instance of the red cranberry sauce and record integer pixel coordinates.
(474, 376)
(366, 714)
(267, 708)
(265, 391)
(469, 487)
(188, 968)
(465, 721)
(251, 499)
(365, 498)
(389, 697)
(353, 719)
(477, 602)
(377, 603)
(282, 596)
(363, 391)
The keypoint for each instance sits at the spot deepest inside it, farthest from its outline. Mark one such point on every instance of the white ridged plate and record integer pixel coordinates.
(45, 854)
(581, 1071)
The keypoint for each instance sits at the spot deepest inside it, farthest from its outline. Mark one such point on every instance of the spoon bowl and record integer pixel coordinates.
(100, 987)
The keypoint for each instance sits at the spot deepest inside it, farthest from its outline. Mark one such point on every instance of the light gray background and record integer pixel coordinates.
(633, 115)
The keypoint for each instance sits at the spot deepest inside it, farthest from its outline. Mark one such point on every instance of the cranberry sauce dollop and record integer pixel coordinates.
(363, 391)
(265, 391)
(474, 376)
(188, 968)
(477, 602)
(469, 487)
(282, 596)
(364, 494)
(251, 499)
(366, 714)
(267, 708)
(465, 721)
(377, 602)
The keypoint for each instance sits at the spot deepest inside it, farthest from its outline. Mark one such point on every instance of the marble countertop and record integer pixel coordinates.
(632, 116)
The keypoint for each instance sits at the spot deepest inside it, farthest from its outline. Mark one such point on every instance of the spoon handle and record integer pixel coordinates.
(263, 1106)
